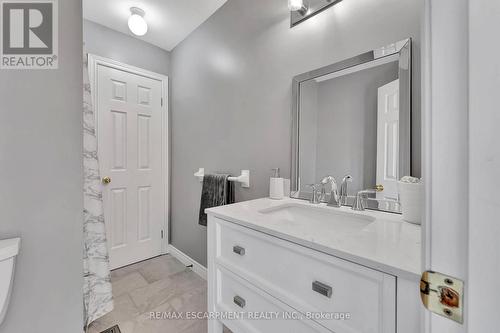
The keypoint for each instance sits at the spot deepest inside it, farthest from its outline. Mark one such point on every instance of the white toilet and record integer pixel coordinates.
(9, 248)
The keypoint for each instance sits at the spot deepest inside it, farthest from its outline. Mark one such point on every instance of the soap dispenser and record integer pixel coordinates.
(276, 186)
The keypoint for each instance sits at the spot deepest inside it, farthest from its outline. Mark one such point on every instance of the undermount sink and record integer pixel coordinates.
(298, 213)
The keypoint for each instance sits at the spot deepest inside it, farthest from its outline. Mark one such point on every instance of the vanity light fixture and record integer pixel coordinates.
(136, 22)
(298, 6)
(301, 10)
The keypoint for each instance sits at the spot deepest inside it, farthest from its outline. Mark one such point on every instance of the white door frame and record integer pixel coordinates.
(446, 153)
(94, 63)
(461, 154)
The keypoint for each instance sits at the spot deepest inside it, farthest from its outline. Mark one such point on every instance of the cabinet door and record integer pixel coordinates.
(308, 280)
(256, 310)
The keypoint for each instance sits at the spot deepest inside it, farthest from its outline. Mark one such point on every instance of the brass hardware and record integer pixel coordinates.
(442, 295)
(106, 180)
(379, 188)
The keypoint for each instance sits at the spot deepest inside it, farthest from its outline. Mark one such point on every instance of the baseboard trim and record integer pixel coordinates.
(187, 260)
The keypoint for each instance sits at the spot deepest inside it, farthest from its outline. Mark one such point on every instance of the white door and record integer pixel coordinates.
(130, 152)
(388, 140)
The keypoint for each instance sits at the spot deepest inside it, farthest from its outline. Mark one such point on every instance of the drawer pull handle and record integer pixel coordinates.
(239, 301)
(322, 289)
(239, 250)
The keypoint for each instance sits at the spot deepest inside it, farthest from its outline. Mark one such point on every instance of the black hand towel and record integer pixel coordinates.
(217, 191)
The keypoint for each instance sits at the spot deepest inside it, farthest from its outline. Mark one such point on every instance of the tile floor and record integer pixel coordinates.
(162, 284)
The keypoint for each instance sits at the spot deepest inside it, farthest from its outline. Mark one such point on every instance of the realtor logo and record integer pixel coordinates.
(29, 34)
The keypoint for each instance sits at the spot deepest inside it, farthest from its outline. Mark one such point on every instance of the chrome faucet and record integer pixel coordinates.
(334, 194)
(343, 189)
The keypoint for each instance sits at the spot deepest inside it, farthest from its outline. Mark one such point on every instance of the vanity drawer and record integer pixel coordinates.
(310, 281)
(235, 295)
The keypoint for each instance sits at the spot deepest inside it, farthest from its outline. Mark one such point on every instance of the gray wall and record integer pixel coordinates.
(231, 90)
(105, 42)
(41, 185)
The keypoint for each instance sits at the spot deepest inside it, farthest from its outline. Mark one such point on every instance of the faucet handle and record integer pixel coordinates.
(358, 204)
(314, 195)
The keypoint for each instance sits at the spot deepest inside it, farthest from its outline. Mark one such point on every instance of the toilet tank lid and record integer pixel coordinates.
(9, 248)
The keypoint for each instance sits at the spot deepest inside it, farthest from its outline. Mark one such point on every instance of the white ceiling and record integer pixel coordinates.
(169, 21)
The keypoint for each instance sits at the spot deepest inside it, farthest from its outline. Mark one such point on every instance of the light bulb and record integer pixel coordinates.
(295, 5)
(136, 22)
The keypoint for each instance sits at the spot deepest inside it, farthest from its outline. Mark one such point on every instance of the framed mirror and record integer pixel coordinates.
(354, 118)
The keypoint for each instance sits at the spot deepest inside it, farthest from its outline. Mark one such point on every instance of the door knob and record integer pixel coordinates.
(106, 180)
(379, 188)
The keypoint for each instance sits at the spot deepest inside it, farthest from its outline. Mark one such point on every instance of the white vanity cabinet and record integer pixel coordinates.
(250, 271)
(277, 285)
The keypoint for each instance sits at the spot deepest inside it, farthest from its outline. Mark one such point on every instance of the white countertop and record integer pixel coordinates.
(388, 244)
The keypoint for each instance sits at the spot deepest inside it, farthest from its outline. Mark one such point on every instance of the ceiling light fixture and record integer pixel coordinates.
(136, 22)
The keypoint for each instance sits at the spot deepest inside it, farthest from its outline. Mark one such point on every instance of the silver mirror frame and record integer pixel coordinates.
(402, 52)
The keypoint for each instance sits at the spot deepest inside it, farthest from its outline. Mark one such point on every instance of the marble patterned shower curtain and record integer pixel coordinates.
(98, 299)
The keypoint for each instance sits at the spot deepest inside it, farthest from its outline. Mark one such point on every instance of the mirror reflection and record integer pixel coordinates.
(354, 125)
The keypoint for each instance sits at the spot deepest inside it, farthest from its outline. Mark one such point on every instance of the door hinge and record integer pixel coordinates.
(443, 295)
(162, 234)
(161, 101)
